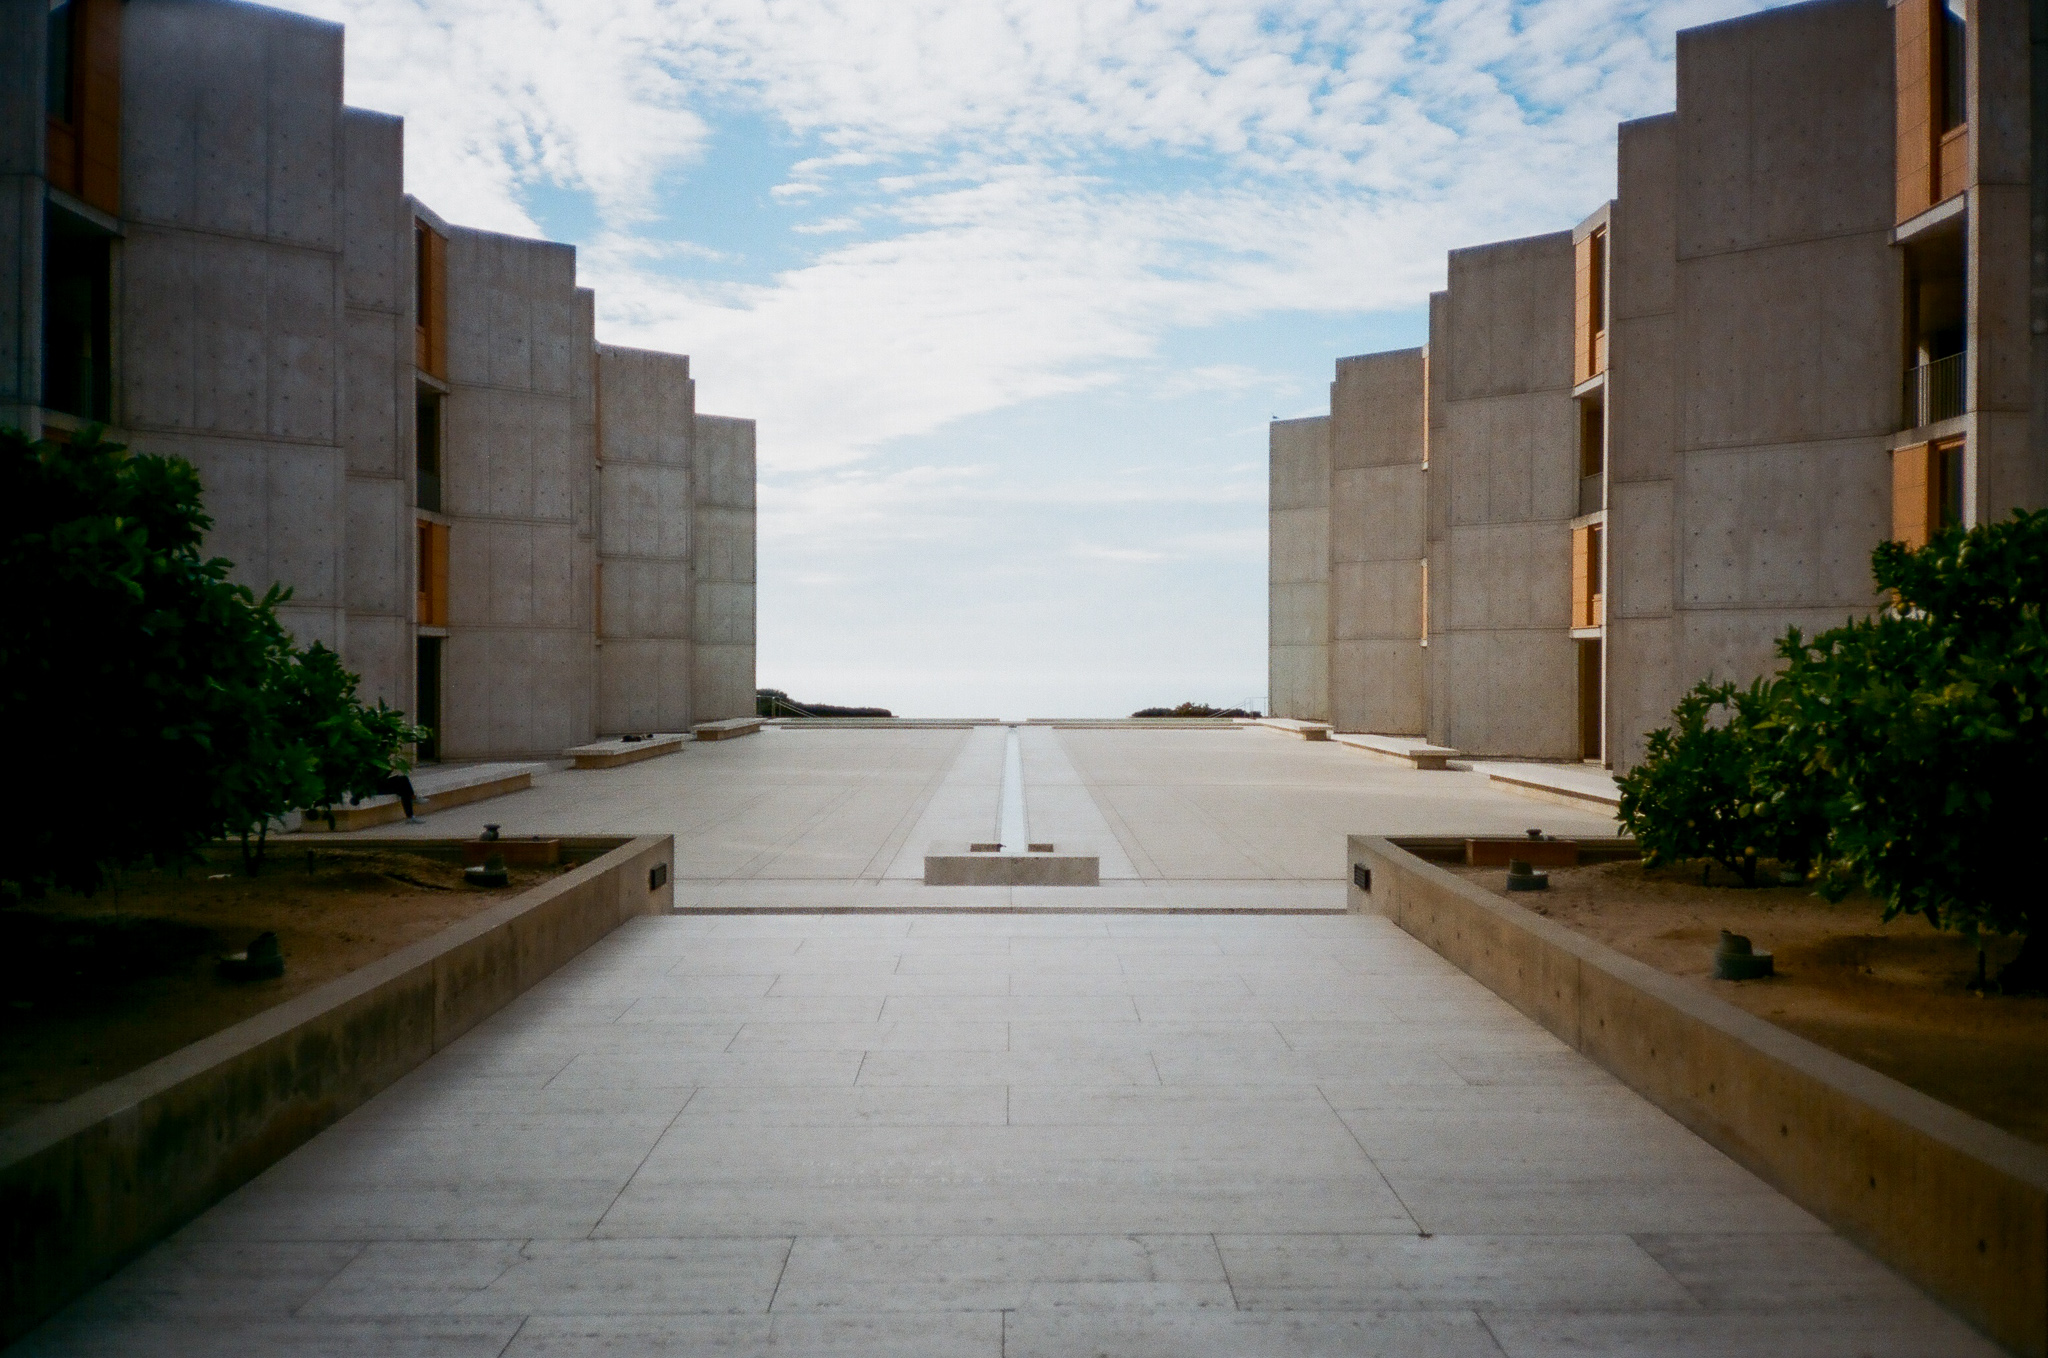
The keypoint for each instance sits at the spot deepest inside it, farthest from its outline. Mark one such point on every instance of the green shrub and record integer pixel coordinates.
(152, 703)
(1718, 784)
(1929, 722)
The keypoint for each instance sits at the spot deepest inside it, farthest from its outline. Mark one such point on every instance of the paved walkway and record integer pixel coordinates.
(840, 819)
(1017, 1134)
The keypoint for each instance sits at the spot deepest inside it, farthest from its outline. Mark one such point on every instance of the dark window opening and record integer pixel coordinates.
(77, 349)
(1592, 719)
(1955, 99)
(419, 274)
(1598, 282)
(427, 698)
(1948, 505)
(427, 454)
(61, 54)
(1592, 437)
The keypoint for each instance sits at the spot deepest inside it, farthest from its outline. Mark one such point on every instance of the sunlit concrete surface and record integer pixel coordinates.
(1082, 1130)
(1010, 1135)
(1183, 819)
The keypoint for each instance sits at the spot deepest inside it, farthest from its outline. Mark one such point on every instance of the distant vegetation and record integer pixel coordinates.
(773, 702)
(1193, 710)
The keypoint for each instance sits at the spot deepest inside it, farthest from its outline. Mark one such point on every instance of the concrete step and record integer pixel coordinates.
(435, 788)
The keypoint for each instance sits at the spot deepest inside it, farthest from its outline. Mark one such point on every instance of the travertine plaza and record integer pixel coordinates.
(1635, 451)
(801, 1102)
(824, 1109)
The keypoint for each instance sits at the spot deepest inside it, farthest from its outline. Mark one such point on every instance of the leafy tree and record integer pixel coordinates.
(346, 748)
(156, 704)
(1930, 722)
(131, 669)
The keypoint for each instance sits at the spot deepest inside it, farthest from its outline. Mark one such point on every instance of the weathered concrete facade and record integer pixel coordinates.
(1502, 492)
(722, 535)
(1658, 441)
(1298, 569)
(1377, 548)
(394, 417)
(647, 436)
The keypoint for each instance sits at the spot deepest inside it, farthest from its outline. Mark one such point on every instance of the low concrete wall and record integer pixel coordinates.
(87, 1185)
(1955, 1204)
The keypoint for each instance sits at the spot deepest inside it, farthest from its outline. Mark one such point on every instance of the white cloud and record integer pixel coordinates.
(1330, 153)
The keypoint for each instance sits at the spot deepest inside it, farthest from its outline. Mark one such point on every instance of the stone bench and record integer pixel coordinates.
(434, 789)
(613, 751)
(727, 729)
(1433, 757)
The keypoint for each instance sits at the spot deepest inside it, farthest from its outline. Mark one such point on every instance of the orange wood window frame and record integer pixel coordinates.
(1933, 166)
(83, 151)
(1916, 491)
(430, 281)
(1589, 608)
(432, 596)
(1589, 306)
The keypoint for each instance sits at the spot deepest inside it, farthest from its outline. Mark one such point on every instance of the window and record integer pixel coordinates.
(77, 360)
(1588, 606)
(430, 297)
(1948, 496)
(433, 574)
(1592, 437)
(426, 705)
(62, 87)
(1589, 306)
(1954, 102)
(427, 451)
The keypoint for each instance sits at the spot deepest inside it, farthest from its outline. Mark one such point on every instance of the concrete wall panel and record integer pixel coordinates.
(1298, 615)
(1783, 526)
(375, 419)
(1378, 686)
(1505, 698)
(1298, 463)
(231, 121)
(1643, 684)
(1298, 682)
(1509, 320)
(1376, 599)
(1375, 410)
(1299, 550)
(1806, 333)
(1640, 563)
(1376, 513)
(1786, 125)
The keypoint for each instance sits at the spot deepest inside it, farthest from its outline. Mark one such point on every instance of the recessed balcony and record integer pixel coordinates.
(1934, 391)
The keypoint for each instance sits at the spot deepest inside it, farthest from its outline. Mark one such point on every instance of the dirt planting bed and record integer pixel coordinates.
(1896, 997)
(94, 987)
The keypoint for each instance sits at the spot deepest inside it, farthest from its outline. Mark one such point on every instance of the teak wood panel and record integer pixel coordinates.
(1933, 166)
(1915, 486)
(430, 330)
(432, 598)
(82, 153)
(1952, 157)
(1582, 311)
(1582, 577)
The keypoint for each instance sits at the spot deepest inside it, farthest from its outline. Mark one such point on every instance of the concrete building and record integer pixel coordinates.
(407, 423)
(1654, 443)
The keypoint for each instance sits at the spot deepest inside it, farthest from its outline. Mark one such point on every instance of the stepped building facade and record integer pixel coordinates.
(1634, 452)
(520, 536)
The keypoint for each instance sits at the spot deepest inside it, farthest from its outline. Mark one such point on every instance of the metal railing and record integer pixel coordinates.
(1934, 391)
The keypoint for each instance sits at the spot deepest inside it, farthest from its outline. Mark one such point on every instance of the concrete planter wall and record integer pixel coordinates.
(90, 1183)
(1953, 1203)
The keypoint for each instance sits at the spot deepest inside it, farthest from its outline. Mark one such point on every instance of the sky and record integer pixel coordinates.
(1013, 287)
